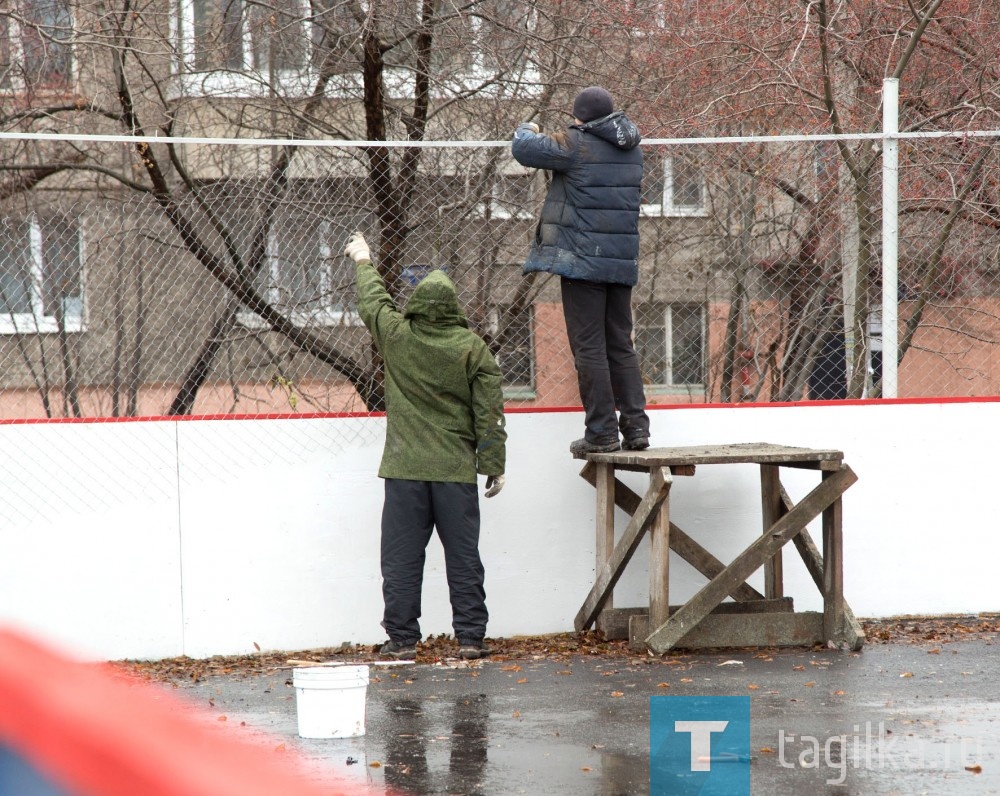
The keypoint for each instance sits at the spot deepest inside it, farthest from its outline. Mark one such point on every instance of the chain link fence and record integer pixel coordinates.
(225, 290)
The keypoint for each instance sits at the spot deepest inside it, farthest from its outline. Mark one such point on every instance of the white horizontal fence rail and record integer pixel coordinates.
(396, 144)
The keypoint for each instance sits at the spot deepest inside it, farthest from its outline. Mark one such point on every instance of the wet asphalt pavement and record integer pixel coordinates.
(915, 719)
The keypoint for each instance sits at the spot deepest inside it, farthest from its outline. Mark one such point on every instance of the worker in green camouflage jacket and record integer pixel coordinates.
(445, 425)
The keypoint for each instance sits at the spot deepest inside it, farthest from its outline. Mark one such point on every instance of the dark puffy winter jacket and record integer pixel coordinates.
(589, 226)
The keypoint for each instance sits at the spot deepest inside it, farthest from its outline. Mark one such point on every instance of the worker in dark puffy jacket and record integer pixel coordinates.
(444, 425)
(588, 234)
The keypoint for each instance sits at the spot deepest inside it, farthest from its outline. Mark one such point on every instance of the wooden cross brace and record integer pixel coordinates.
(789, 524)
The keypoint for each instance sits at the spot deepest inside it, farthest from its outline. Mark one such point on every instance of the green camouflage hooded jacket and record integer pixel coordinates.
(444, 402)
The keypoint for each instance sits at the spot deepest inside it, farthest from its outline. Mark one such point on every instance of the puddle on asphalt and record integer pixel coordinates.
(420, 747)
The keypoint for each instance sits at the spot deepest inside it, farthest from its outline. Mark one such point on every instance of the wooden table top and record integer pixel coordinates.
(740, 453)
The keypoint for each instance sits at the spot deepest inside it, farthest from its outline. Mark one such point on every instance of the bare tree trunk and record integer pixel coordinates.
(135, 365)
(198, 372)
(276, 188)
(237, 282)
(118, 317)
(931, 271)
(868, 262)
(738, 295)
(71, 393)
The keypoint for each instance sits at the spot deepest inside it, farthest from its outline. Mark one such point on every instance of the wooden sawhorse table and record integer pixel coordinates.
(752, 619)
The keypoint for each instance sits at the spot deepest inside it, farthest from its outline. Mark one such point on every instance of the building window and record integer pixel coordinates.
(35, 53)
(41, 274)
(512, 334)
(673, 186)
(306, 277)
(235, 45)
(670, 341)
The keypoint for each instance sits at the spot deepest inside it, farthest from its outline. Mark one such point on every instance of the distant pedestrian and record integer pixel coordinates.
(588, 234)
(445, 425)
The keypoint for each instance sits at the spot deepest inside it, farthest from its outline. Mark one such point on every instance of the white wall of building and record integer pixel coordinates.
(160, 538)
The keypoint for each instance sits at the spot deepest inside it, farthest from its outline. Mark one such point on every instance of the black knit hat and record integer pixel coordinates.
(592, 103)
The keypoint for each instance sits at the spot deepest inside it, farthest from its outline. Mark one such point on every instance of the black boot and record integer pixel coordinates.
(584, 446)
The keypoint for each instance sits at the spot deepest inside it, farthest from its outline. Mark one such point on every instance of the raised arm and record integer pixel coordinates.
(539, 151)
(375, 305)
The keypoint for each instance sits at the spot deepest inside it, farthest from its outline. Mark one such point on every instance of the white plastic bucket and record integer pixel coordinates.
(330, 700)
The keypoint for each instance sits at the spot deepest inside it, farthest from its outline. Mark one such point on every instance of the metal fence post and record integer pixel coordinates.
(890, 235)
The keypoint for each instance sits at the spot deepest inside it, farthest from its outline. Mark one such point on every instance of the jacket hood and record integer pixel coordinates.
(435, 300)
(615, 128)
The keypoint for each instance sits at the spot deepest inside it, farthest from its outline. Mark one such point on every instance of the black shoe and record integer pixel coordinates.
(398, 651)
(635, 443)
(472, 650)
(584, 446)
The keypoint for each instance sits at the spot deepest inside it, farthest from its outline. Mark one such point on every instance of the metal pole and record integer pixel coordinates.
(890, 237)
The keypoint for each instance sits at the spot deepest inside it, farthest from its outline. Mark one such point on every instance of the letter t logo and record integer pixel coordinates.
(701, 740)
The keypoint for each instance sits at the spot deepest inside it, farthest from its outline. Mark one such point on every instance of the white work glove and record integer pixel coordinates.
(531, 126)
(357, 248)
(494, 483)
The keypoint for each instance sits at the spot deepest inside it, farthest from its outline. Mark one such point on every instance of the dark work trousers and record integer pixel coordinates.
(411, 511)
(599, 325)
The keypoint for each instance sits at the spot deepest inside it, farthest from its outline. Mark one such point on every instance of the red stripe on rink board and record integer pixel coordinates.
(101, 733)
